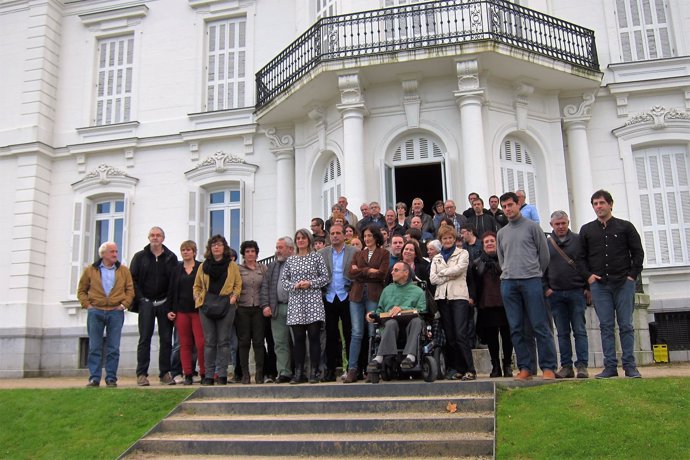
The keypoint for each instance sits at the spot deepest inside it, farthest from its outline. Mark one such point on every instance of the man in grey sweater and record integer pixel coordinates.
(524, 255)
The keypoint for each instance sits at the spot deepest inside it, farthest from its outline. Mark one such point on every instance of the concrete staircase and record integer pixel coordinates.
(391, 419)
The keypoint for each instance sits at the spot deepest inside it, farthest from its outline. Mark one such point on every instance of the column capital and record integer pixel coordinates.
(351, 90)
(279, 143)
(579, 112)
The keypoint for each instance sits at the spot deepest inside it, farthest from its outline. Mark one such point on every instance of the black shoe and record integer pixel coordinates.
(495, 371)
(298, 378)
(407, 363)
(283, 379)
(259, 378)
(222, 381)
(111, 383)
(314, 378)
(607, 373)
(328, 376)
(93, 383)
(188, 380)
(246, 379)
(632, 372)
(507, 370)
(207, 382)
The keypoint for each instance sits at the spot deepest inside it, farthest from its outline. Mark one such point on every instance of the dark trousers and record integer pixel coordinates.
(300, 331)
(250, 333)
(490, 336)
(270, 367)
(455, 317)
(148, 315)
(336, 311)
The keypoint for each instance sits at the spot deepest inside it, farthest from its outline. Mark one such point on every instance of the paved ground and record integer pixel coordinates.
(655, 370)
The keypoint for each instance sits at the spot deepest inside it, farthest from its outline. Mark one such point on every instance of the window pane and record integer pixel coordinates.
(217, 198)
(234, 196)
(235, 228)
(217, 223)
(103, 208)
(119, 206)
(117, 237)
(102, 227)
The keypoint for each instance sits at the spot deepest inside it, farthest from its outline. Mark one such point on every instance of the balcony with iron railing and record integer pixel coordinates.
(433, 27)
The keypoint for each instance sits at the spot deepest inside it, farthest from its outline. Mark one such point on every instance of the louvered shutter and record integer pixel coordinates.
(114, 81)
(517, 170)
(226, 71)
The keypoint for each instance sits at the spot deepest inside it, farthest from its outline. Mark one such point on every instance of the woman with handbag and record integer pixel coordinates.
(217, 288)
(368, 270)
(184, 312)
(449, 274)
(303, 276)
(250, 319)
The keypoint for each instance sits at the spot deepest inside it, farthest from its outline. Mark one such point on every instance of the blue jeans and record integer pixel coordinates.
(568, 309)
(111, 322)
(615, 301)
(357, 312)
(522, 299)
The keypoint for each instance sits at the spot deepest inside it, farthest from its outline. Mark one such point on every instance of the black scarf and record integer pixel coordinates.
(488, 264)
(217, 271)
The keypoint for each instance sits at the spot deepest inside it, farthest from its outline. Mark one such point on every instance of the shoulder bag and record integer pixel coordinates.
(215, 306)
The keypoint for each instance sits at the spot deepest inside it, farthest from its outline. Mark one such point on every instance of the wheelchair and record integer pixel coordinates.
(430, 364)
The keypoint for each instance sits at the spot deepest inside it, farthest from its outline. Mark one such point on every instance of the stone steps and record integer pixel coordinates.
(392, 419)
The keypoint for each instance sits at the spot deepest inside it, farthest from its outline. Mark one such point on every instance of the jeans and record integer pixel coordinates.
(568, 309)
(282, 340)
(96, 322)
(148, 315)
(524, 298)
(336, 311)
(456, 315)
(615, 300)
(217, 343)
(358, 310)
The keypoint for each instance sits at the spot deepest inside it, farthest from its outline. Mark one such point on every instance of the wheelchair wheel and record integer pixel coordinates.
(429, 369)
(440, 358)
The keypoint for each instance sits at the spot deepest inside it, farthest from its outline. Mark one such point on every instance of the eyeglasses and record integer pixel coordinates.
(217, 243)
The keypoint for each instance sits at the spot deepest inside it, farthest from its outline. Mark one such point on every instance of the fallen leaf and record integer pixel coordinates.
(452, 407)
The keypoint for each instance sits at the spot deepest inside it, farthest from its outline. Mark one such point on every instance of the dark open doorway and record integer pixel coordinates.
(424, 181)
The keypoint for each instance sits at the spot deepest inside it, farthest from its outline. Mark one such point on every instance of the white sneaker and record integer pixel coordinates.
(179, 379)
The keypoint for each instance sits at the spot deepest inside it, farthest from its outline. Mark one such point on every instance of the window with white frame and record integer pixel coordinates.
(331, 185)
(226, 71)
(114, 85)
(663, 184)
(517, 170)
(644, 29)
(325, 8)
(95, 221)
(109, 223)
(224, 215)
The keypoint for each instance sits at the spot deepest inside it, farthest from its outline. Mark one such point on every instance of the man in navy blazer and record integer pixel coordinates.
(338, 257)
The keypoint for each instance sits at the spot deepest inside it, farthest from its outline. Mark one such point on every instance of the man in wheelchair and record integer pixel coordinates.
(400, 303)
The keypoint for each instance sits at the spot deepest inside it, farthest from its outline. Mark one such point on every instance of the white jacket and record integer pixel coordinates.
(450, 277)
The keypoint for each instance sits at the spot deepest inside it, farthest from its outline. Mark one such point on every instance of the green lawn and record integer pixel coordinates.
(89, 423)
(619, 418)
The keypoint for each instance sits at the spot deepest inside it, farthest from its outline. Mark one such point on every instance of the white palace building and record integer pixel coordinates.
(250, 117)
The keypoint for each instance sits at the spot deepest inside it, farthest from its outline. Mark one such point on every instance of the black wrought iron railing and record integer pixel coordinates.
(421, 26)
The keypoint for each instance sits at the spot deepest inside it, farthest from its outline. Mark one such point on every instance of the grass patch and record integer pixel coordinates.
(618, 418)
(84, 423)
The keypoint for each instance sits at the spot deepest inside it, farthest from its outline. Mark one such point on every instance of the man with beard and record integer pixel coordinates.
(273, 299)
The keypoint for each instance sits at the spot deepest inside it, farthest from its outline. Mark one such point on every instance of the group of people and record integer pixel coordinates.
(494, 275)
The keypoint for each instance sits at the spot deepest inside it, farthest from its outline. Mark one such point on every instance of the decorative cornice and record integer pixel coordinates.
(115, 18)
(658, 115)
(104, 175)
(220, 161)
(583, 110)
(279, 142)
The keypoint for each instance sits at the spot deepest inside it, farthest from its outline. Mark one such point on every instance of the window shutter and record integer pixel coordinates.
(643, 29)
(75, 259)
(517, 170)
(662, 180)
(226, 64)
(114, 81)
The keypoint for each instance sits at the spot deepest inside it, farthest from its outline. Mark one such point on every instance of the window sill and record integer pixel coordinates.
(72, 306)
(222, 118)
(97, 133)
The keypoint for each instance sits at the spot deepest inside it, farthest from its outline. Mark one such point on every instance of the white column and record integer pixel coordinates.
(575, 118)
(469, 98)
(352, 110)
(282, 146)
(285, 192)
(580, 173)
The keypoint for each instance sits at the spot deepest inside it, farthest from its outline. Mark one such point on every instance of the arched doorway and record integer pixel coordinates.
(416, 168)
